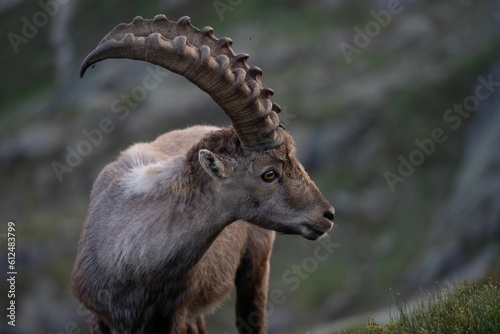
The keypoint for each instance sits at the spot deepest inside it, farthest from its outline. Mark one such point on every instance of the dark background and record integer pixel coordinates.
(357, 104)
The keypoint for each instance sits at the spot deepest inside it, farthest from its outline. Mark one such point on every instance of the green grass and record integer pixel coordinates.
(469, 308)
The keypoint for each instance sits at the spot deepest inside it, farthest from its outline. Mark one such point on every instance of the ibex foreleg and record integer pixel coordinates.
(252, 283)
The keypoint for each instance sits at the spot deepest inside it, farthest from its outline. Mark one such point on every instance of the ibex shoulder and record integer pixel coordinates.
(156, 168)
(154, 178)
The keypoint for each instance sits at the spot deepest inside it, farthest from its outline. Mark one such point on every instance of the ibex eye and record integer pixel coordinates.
(269, 176)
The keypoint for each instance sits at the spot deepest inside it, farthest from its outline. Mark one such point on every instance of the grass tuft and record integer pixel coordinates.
(468, 308)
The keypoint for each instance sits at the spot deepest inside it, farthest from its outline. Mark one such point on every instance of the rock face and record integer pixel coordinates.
(465, 232)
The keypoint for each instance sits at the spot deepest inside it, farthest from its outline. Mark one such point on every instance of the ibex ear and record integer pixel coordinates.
(212, 164)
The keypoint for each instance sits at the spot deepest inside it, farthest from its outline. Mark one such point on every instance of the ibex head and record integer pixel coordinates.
(252, 163)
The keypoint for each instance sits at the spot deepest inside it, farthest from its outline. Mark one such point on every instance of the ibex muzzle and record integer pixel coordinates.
(174, 225)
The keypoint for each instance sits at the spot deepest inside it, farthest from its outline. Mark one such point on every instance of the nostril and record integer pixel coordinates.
(329, 214)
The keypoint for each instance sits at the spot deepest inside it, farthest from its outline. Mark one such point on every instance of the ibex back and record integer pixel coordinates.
(174, 225)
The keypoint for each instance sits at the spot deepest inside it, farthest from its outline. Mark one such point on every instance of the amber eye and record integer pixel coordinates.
(269, 176)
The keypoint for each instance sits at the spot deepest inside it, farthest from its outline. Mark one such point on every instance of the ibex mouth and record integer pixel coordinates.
(313, 231)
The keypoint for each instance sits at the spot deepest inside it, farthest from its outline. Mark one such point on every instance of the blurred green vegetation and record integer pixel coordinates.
(465, 307)
(30, 71)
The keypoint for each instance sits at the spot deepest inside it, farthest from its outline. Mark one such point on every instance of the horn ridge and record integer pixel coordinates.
(208, 62)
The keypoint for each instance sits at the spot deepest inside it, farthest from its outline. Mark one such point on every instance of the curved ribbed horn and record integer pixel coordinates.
(209, 63)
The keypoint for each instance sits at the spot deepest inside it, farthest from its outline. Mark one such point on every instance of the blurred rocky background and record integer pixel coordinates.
(394, 106)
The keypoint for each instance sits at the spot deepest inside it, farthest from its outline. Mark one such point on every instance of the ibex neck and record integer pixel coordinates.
(191, 230)
(184, 214)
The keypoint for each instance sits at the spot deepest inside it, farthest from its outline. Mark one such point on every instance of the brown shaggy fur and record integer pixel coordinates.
(169, 235)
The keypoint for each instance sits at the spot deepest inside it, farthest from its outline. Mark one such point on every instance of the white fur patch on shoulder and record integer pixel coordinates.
(154, 179)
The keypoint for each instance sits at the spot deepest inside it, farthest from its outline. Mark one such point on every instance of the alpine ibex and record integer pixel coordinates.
(174, 225)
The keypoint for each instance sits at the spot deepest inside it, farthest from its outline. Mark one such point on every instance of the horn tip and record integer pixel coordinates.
(84, 68)
(85, 65)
